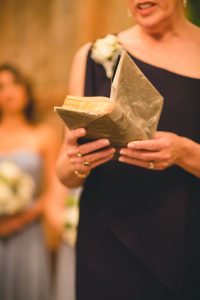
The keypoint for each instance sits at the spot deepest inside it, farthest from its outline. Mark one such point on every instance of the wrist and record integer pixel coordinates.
(184, 149)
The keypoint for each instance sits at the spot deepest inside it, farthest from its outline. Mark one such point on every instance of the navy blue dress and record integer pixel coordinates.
(139, 230)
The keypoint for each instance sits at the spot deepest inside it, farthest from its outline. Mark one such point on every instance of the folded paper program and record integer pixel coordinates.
(131, 113)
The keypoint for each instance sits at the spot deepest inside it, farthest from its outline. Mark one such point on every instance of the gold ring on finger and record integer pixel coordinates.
(80, 175)
(151, 165)
(86, 163)
(79, 154)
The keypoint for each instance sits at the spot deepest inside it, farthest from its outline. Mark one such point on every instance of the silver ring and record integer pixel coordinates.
(86, 163)
(151, 165)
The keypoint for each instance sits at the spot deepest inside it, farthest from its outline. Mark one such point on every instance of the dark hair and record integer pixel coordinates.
(19, 78)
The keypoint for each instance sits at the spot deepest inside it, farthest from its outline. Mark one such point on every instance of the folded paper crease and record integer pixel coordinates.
(131, 113)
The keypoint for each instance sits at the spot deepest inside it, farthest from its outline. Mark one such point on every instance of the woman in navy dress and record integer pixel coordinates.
(139, 223)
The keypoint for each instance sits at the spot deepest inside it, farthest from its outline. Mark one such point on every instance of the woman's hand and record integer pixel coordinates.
(160, 153)
(88, 156)
(11, 225)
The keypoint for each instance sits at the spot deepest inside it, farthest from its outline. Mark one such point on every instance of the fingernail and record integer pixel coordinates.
(121, 159)
(83, 131)
(122, 151)
(106, 142)
(131, 145)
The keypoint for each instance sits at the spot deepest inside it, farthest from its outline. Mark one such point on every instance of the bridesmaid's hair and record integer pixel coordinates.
(29, 110)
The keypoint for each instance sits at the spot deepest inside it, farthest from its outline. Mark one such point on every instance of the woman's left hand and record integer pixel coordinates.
(11, 225)
(159, 153)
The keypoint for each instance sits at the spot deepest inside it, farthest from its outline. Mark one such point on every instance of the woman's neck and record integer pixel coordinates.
(14, 121)
(175, 26)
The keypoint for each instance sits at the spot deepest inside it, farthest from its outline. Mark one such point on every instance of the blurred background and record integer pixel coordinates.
(41, 37)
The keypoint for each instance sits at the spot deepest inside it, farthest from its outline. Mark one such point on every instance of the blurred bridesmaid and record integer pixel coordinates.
(27, 183)
(65, 266)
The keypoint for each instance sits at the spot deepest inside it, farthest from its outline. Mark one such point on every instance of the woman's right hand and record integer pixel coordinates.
(88, 156)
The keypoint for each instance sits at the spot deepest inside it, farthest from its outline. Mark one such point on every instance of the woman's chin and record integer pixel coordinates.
(150, 24)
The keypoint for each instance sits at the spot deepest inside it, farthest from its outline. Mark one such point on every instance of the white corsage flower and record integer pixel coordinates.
(16, 189)
(9, 171)
(105, 51)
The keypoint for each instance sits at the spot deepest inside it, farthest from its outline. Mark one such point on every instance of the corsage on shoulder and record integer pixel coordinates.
(105, 52)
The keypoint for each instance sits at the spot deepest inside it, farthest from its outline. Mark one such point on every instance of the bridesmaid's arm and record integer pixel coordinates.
(52, 188)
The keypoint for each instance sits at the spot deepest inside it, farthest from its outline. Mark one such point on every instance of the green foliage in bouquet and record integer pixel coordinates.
(193, 11)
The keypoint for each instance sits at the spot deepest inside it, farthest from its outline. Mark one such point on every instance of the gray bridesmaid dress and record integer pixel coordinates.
(24, 261)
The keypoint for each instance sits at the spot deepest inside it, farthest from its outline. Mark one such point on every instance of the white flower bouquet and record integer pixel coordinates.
(105, 51)
(71, 216)
(16, 189)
